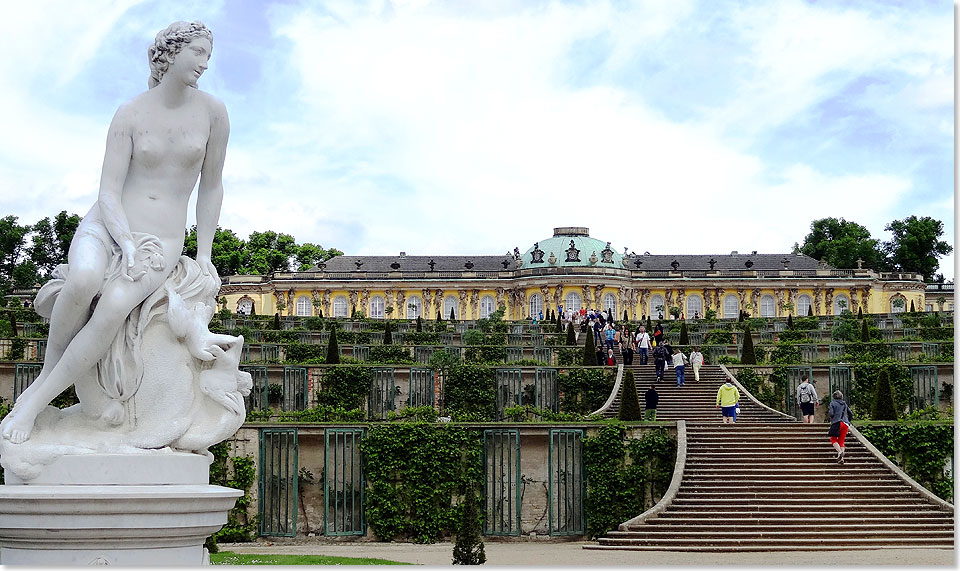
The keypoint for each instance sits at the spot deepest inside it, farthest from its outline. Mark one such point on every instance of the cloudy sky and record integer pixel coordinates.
(471, 127)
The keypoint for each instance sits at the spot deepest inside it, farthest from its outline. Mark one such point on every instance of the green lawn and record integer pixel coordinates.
(229, 558)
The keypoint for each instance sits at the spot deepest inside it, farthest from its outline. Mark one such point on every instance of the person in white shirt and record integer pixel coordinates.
(696, 359)
(678, 361)
(643, 345)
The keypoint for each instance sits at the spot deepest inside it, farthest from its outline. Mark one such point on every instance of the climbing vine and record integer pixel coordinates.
(415, 471)
(585, 390)
(920, 448)
(624, 478)
(238, 472)
(470, 393)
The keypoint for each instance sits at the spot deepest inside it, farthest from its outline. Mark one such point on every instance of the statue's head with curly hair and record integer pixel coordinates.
(168, 44)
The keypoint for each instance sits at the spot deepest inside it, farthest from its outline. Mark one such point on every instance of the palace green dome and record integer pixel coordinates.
(572, 246)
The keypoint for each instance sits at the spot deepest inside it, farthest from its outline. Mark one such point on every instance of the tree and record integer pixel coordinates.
(589, 350)
(387, 337)
(809, 311)
(916, 245)
(790, 321)
(51, 242)
(468, 549)
(748, 355)
(333, 348)
(419, 325)
(629, 400)
(571, 335)
(226, 252)
(12, 250)
(268, 252)
(559, 325)
(684, 336)
(453, 315)
(841, 243)
(625, 317)
(912, 307)
(276, 321)
(864, 331)
(883, 406)
(309, 255)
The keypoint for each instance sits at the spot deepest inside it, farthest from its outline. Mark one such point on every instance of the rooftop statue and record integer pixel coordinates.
(128, 314)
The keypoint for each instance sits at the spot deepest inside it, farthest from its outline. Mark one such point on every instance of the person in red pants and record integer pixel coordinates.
(840, 419)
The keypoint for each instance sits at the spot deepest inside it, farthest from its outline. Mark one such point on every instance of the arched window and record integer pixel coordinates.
(768, 306)
(841, 303)
(245, 306)
(898, 304)
(487, 306)
(340, 306)
(803, 305)
(536, 305)
(450, 304)
(414, 307)
(610, 304)
(377, 305)
(303, 306)
(658, 307)
(731, 306)
(694, 306)
(573, 301)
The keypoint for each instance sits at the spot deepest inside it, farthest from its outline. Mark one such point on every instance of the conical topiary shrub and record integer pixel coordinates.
(649, 326)
(333, 349)
(859, 313)
(809, 311)
(747, 355)
(883, 407)
(276, 321)
(439, 317)
(629, 399)
(589, 350)
(571, 335)
(864, 331)
(419, 325)
(912, 309)
(559, 325)
(684, 337)
(387, 337)
(453, 315)
(625, 318)
(468, 549)
(790, 321)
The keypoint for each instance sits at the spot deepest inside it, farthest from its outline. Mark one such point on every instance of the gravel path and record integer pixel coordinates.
(534, 553)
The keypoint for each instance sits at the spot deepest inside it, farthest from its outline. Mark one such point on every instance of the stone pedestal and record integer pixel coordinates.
(69, 516)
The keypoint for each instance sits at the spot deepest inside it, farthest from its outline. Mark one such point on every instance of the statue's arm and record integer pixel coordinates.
(210, 193)
(116, 162)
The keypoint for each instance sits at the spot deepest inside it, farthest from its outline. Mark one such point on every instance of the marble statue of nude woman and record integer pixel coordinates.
(130, 241)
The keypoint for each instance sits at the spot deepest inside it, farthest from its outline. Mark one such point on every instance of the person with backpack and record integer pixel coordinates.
(659, 360)
(807, 399)
(840, 419)
(728, 398)
(679, 359)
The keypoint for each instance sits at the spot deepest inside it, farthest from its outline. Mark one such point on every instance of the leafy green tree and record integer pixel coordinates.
(629, 399)
(840, 243)
(333, 349)
(13, 238)
(469, 549)
(309, 255)
(268, 252)
(226, 253)
(51, 242)
(916, 245)
(589, 350)
(883, 406)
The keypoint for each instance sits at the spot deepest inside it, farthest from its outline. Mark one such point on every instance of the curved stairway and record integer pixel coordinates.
(769, 484)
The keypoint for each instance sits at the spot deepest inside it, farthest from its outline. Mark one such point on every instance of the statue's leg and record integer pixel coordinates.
(117, 299)
(88, 261)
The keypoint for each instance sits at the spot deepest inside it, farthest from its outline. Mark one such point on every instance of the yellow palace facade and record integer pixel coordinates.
(569, 271)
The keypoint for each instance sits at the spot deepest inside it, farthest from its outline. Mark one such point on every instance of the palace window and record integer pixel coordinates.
(658, 307)
(340, 306)
(414, 307)
(898, 305)
(768, 306)
(573, 301)
(803, 305)
(731, 306)
(487, 306)
(610, 304)
(536, 305)
(303, 306)
(450, 304)
(245, 306)
(841, 303)
(377, 305)
(694, 306)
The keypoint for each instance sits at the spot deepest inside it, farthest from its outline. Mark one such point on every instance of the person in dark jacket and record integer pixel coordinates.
(601, 356)
(651, 398)
(659, 360)
(840, 420)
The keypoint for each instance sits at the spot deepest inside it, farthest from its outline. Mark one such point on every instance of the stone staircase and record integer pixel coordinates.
(769, 483)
